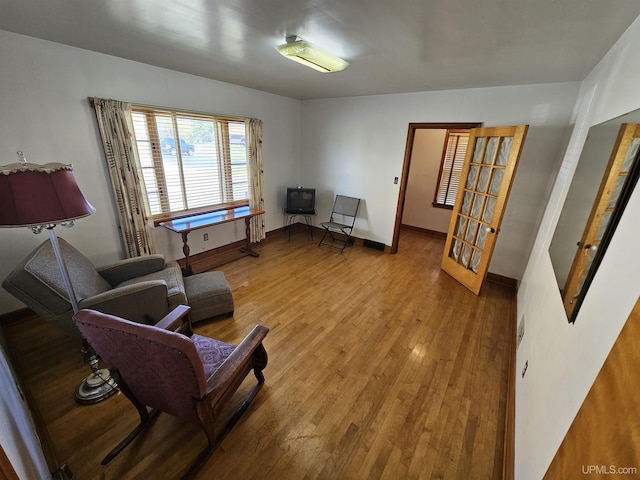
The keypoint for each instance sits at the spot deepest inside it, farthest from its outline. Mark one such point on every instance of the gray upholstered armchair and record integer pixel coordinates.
(142, 289)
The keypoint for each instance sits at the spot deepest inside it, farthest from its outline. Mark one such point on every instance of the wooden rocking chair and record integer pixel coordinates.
(199, 374)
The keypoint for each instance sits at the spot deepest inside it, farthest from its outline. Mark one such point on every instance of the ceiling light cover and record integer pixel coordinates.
(307, 54)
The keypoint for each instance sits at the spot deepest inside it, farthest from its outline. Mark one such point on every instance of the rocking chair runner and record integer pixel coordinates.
(199, 374)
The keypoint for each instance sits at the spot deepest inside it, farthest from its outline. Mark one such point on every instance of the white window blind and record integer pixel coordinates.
(191, 162)
(455, 149)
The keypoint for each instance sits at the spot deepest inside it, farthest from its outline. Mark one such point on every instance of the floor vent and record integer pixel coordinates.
(374, 245)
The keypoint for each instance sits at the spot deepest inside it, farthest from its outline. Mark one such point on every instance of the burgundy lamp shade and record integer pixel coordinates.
(33, 195)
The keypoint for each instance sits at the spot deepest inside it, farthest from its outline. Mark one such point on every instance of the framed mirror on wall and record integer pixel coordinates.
(604, 179)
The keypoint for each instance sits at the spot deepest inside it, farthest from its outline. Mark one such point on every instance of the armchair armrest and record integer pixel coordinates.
(118, 272)
(143, 302)
(177, 320)
(224, 376)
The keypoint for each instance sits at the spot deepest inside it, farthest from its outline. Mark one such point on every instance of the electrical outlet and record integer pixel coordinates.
(206, 237)
(395, 180)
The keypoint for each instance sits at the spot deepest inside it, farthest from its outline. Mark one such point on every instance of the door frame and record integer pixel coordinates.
(408, 153)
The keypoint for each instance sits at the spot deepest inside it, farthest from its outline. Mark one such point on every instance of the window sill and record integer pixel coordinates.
(440, 205)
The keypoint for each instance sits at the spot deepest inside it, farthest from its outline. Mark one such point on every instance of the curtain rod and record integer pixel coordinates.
(168, 109)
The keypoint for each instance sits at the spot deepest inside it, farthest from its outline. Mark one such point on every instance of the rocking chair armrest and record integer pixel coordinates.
(177, 320)
(237, 361)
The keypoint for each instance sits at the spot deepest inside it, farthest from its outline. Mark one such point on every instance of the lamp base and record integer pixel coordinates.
(96, 387)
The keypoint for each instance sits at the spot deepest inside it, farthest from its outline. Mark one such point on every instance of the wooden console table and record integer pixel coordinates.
(184, 226)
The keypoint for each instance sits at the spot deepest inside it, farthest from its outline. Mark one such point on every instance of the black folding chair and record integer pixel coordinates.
(343, 218)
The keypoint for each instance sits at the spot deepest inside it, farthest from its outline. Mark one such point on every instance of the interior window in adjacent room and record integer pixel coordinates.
(453, 153)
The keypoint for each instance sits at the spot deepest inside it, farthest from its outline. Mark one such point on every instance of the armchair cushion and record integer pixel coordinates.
(212, 352)
(142, 302)
(171, 274)
(84, 278)
(124, 270)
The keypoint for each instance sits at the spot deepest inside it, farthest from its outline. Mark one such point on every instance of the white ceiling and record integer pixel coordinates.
(393, 46)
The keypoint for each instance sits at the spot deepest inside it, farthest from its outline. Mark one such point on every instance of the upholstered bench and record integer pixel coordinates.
(209, 295)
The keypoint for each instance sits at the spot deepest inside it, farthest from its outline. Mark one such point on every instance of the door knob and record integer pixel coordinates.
(587, 246)
(491, 230)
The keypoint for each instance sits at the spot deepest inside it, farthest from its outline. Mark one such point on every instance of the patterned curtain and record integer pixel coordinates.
(116, 129)
(256, 197)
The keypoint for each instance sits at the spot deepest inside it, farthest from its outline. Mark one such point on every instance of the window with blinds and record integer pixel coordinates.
(191, 163)
(453, 153)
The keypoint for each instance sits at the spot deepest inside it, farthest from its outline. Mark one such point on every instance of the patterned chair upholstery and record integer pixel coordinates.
(162, 367)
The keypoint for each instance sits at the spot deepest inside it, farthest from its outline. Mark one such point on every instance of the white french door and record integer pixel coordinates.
(487, 175)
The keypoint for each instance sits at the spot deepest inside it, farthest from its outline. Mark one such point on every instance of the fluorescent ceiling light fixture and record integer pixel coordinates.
(303, 52)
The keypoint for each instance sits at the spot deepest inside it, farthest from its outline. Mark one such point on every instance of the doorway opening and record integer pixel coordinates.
(409, 150)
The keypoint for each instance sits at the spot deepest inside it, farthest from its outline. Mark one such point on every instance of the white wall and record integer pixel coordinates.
(563, 359)
(44, 112)
(356, 146)
(426, 157)
(18, 435)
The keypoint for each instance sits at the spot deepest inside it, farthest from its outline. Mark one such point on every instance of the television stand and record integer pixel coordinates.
(291, 215)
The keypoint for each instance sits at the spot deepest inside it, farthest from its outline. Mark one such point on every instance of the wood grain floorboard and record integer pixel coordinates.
(380, 367)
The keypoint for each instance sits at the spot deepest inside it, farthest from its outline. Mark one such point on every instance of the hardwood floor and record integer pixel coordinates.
(380, 367)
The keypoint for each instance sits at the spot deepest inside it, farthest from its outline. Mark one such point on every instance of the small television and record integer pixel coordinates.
(301, 201)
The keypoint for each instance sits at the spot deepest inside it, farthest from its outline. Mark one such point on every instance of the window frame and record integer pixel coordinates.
(223, 139)
(457, 166)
